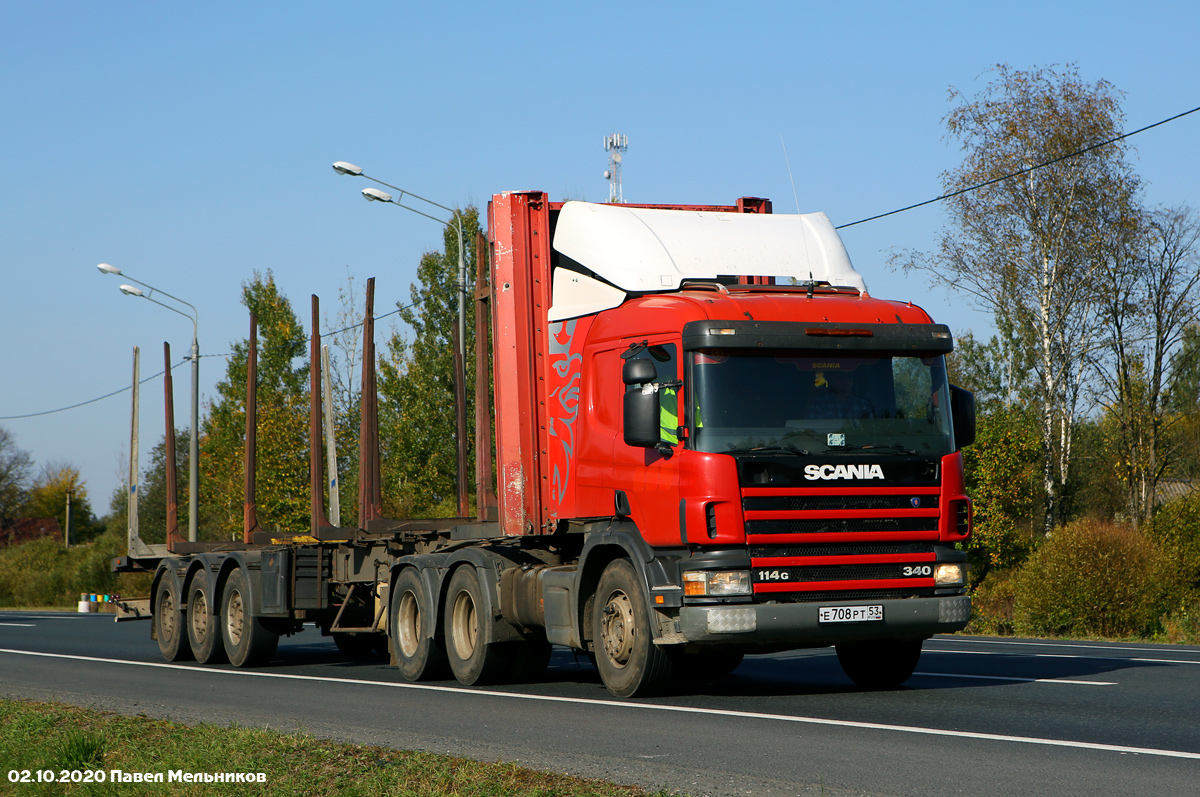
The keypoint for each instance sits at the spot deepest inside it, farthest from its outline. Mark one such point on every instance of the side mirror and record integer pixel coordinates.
(641, 404)
(638, 372)
(962, 415)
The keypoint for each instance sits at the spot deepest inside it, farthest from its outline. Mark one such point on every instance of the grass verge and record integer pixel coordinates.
(50, 738)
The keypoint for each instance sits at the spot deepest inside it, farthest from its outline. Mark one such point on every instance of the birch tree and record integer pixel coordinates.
(1029, 248)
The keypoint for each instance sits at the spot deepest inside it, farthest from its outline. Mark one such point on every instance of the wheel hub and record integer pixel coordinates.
(167, 615)
(235, 619)
(465, 629)
(617, 628)
(199, 618)
(409, 629)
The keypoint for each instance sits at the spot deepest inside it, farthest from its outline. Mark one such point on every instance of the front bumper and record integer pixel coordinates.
(797, 624)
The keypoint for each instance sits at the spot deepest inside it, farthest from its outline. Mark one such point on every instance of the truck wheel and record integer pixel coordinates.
(419, 656)
(630, 664)
(879, 665)
(169, 627)
(204, 633)
(247, 641)
(474, 657)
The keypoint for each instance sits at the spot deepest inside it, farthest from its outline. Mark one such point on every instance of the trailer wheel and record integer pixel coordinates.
(204, 633)
(879, 665)
(419, 655)
(474, 657)
(247, 641)
(169, 628)
(630, 664)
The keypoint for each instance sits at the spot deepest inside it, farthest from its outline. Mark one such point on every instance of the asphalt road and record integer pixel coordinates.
(980, 717)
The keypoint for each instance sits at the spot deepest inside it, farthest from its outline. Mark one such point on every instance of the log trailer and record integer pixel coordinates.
(709, 439)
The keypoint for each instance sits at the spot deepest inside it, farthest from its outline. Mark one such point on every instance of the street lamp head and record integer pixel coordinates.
(341, 167)
(129, 290)
(375, 195)
(105, 268)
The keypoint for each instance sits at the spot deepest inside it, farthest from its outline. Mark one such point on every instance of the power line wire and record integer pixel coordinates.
(173, 367)
(89, 401)
(1022, 171)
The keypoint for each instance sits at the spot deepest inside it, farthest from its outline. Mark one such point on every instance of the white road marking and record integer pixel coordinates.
(1061, 656)
(20, 625)
(63, 616)
(1076, 646)
(1014, 678)
(616, 704)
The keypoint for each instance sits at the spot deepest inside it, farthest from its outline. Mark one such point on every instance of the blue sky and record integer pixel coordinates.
(190, 144)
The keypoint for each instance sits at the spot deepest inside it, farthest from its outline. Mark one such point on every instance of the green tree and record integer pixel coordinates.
(1183, 404)
(1148, 302)
(416, 385)
(48, 498)
(1029, 248)
(282, 483)
(1002, 479)
(152, 491)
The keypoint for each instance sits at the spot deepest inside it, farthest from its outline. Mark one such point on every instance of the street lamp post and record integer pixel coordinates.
(194, 445)
(375, 195)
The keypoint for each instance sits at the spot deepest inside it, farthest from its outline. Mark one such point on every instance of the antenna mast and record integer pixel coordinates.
(615, 145)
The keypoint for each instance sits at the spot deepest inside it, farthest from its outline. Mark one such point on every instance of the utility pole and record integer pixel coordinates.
(67, 525)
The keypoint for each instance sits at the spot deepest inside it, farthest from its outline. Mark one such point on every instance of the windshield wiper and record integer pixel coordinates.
(898, 449)
(770, 450)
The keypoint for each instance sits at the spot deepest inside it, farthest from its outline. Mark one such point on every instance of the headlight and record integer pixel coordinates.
(712, 583)
(949, 575)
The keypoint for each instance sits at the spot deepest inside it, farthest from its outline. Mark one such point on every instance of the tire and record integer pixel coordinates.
(247, 641)
(706, 664)
(418, 653)
(630, 664)
(169, 624)
(879, 665)
(203, 626)
(475, 658)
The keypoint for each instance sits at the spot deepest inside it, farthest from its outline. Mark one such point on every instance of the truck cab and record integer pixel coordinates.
(723, 407)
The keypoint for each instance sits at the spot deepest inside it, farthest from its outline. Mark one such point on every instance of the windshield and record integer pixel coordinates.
(744, 402)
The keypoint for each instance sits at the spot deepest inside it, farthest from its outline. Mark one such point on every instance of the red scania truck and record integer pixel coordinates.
(710, 440)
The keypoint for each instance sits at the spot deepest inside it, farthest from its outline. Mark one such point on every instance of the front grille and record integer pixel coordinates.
(850, 595)
(827, 503)
(838, 549)
(841, 525)
(856, 572)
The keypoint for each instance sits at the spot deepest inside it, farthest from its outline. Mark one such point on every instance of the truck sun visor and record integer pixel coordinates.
(895, 338)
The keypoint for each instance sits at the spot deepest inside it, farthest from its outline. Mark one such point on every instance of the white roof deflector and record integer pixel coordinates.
(646, 249)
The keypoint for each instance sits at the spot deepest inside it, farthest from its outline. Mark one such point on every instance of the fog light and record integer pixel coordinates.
(716, 583)
(948, 575)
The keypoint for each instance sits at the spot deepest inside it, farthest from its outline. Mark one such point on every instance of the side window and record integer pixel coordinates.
(666, 369)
